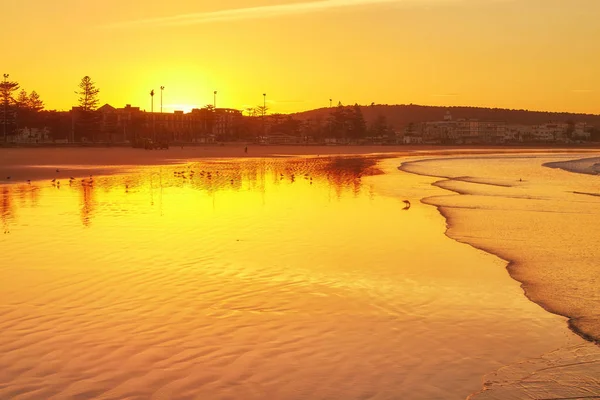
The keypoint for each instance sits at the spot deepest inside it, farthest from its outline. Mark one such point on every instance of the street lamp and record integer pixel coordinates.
(329, 103)
(152, 110)
(162, 88)
(215, 100)
(264, 104)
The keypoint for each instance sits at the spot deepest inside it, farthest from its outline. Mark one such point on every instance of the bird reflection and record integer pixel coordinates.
(342, 174)
(6, 209)
(87, 204)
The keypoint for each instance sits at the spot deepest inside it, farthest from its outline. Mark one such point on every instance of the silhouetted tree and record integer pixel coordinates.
(7, 111)
(24, 115)
(262, 110)
(35, 103)
(379, 126)
(358, 126)
(88, 94)
(87, 121)
(22, 100)
(7, 89)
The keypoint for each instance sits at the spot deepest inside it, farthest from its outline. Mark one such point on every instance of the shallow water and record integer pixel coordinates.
(547, 223)
(281, 279)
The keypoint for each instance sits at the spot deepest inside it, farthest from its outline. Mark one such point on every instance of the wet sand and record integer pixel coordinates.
(537, 219)
(283, 279)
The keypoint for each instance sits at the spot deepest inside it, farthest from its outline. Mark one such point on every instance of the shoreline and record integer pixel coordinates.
(34, 164)
(512, 263)
(588, 166)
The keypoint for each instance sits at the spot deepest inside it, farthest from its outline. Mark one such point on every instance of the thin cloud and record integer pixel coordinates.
(250, 13)
(445, 95)
(582, 91)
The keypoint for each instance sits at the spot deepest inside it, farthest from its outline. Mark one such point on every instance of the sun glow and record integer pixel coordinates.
(433, 52)
(186, 108)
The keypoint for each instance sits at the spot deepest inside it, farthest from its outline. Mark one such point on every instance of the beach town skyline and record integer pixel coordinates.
(24, 119)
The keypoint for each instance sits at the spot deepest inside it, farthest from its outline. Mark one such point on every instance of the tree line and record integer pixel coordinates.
(20, 109)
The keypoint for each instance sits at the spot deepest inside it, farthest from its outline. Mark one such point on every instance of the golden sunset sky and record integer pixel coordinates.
(530, 54)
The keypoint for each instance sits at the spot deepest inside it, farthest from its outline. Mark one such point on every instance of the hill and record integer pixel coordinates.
(401, 115)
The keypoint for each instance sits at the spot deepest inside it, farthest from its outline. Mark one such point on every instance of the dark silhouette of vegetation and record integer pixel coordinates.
(399, 116)
(347, 123)
(88, 94)
(86, 122)
(7, 88)
(22, 111)
(594, 134)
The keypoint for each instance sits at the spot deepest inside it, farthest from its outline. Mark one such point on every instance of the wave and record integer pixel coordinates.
(589, 166)
(545, 231)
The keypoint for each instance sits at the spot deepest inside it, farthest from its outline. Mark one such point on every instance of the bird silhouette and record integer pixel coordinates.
(406, 204)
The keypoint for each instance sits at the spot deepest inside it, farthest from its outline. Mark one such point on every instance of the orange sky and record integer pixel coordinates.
(531, 54)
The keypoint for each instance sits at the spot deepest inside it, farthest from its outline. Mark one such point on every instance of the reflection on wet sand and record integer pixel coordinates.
(339, 173)
(6, 209)
(254, 279)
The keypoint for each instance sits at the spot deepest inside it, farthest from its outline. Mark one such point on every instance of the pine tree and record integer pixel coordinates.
(22, 100)
(7, 101)
(7, 88)
(34, 101)
(358, 124)
(88, 94)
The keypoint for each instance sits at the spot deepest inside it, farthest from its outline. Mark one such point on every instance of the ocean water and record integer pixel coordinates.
(530, 211)
(265, 278)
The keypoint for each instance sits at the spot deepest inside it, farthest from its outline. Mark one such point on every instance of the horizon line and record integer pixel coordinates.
(369, 105)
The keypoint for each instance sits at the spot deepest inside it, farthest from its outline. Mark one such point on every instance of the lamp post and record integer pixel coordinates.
(215, 100)
(5, 95)
(162, 88)
(263, 113)
(329, 103)
(152, 110)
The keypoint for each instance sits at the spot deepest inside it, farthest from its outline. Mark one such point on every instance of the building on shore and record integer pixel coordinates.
(130, 124)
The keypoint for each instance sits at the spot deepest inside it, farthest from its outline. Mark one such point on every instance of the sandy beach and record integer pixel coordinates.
(21, 164)
(543, 222)
(285, 277)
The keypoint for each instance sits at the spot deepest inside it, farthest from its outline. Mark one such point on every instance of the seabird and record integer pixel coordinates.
(407, 204)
